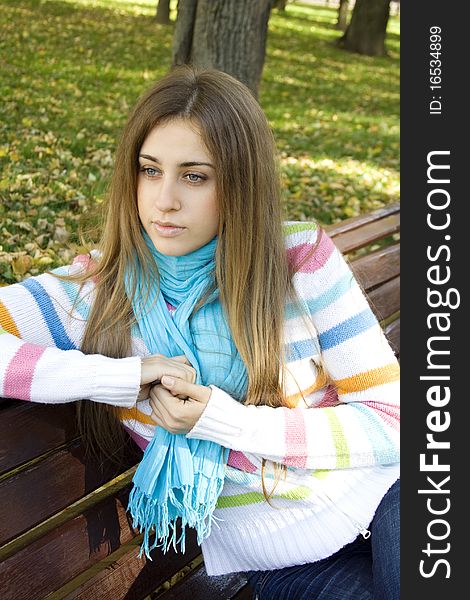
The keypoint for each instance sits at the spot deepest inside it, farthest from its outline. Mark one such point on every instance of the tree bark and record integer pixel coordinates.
(229, 35)
(366, 31)
(183, 34)
(163, 12)
(342, 15)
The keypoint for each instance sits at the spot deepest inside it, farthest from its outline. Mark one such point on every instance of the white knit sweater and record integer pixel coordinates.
(339, 438)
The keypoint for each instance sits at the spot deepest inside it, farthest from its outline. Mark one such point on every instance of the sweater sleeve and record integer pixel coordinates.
(40, 357)
(357, 423)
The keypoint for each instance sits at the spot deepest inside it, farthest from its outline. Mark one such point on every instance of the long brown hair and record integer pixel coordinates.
(252, 272)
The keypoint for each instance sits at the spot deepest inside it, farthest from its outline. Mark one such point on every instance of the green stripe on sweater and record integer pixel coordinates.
(298, 227)
(301, 492)
(339, 439)
(321, 473)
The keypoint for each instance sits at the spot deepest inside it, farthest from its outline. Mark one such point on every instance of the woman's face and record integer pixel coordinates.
(176, 190)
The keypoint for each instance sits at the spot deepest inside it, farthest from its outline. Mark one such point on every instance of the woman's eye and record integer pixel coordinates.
(194, 177)
(149, 171)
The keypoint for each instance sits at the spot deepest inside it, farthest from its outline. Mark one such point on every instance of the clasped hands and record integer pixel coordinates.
(176, 401)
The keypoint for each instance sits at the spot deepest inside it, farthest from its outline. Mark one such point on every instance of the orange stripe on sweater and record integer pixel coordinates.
(319, 383)
(128, 414)
(6, 321)
(368, 379)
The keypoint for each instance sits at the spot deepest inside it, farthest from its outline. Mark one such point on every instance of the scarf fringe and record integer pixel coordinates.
(195, 510)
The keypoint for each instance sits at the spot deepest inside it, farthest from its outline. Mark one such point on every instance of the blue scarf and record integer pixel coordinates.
(179, 477)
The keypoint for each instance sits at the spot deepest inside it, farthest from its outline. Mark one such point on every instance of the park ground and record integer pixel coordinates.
(72, 69)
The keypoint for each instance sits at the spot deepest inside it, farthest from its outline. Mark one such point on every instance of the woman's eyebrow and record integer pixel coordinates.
(191, 163)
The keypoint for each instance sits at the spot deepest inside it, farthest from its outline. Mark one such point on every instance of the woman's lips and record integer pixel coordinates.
(167, 230)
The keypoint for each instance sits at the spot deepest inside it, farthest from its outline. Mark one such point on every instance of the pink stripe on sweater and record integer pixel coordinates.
(388, 413)
(295, 438)
(239, 461)
(330, 398)
(138, 439)
(20, 372)
(298, 255)
(171, 308)
(87, 262)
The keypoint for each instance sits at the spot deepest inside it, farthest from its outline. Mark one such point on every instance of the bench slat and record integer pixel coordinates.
(246, 593)
(369, 233)
(199, 586)
(392, 331)
(129, 576)
(48, 563)
(378, 267)
(63, 478)
(385, 300)
(104, 528)
(357, 222)
(118, 485)
(28, 430)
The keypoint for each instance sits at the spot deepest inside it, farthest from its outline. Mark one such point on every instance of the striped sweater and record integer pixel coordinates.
(339, 438)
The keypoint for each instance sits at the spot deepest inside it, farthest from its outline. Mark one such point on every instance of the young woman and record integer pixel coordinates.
(237, 342)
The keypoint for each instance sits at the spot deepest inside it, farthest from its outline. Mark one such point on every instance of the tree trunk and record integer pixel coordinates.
(163, 12)
(183, 33)
(229, 35)
(280, 4)
(342, 15)
(366, 31)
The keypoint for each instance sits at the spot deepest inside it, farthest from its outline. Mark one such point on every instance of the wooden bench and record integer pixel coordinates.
(64, 530)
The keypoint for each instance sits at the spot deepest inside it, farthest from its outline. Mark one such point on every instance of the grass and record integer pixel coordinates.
(71, 69)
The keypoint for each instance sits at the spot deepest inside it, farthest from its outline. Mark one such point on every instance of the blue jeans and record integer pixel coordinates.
(362, 570)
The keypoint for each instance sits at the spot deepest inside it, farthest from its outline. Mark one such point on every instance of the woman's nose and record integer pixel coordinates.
(166, 196)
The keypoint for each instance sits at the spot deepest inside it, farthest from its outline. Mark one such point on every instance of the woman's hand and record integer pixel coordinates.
(157, 365)
(170, 411)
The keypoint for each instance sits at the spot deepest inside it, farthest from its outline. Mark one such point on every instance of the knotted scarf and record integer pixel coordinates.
(180, 478)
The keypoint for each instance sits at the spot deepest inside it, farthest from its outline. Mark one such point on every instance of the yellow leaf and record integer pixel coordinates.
(22, 264)
(45, 260)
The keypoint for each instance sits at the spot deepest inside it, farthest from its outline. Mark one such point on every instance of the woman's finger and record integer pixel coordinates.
(154, 367)
(181, 358)
(157, 397)
(176, 386)
(190, 372)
